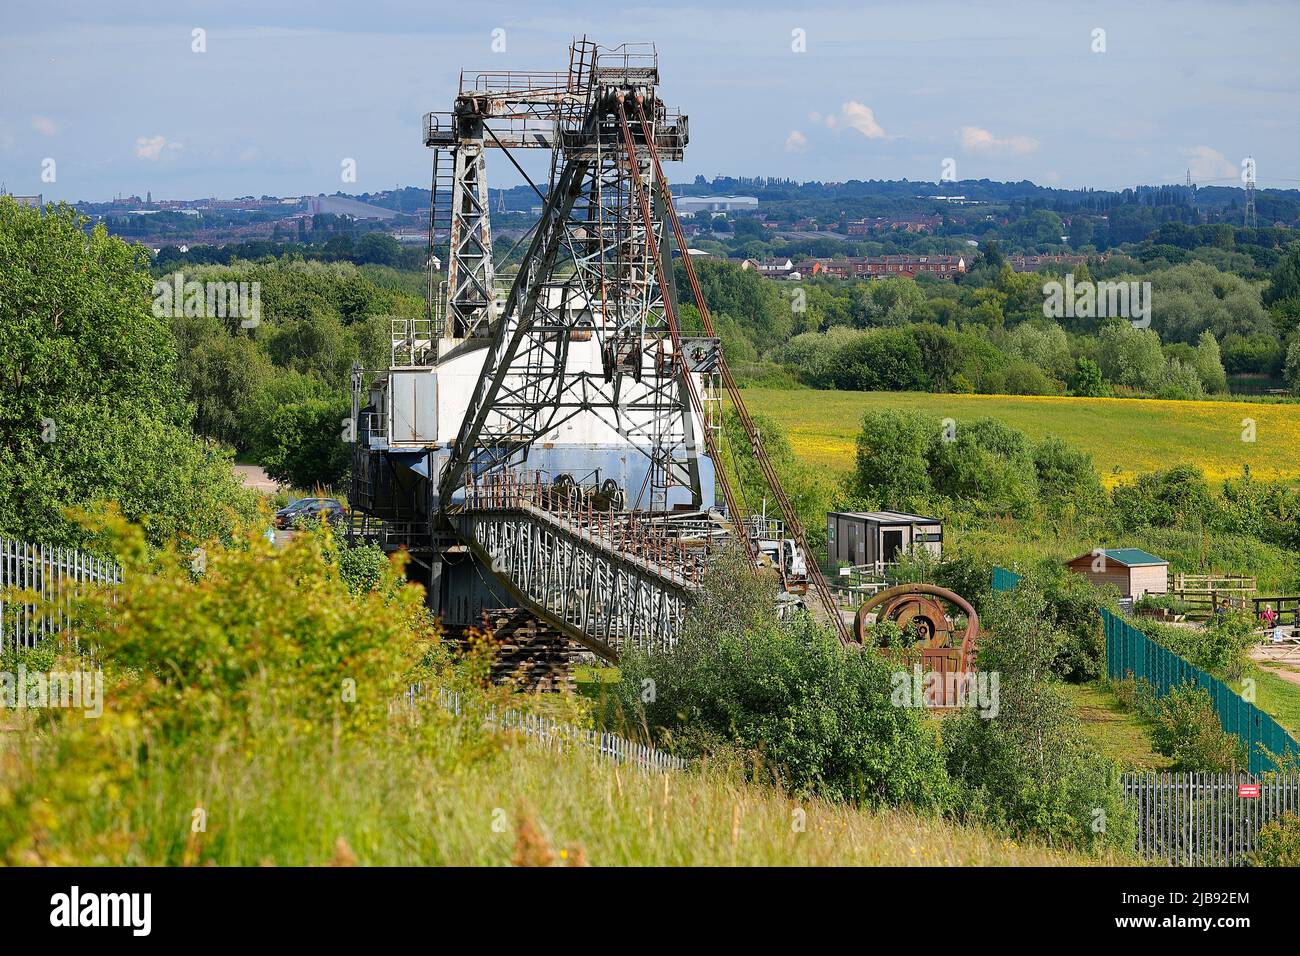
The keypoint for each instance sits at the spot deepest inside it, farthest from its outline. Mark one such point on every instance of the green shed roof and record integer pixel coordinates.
(1129, 557)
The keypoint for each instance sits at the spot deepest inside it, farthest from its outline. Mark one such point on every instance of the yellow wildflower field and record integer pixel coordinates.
(1125, 437)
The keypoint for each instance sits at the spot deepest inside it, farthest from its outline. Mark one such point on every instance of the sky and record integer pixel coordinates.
(188, 99)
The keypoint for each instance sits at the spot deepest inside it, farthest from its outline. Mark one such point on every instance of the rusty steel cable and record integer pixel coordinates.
(670, 311)
(793, 525)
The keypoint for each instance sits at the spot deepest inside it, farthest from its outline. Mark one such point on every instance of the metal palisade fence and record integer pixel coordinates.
(1206, 819)
(54, 576)
(1130, 653)
(553, 734)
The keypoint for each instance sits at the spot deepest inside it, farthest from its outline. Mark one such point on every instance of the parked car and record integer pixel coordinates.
(307, 511)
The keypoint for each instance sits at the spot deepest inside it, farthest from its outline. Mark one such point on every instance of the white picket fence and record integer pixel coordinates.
(555, 735)
(55, 576)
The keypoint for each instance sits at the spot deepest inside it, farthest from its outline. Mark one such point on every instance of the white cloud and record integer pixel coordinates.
(44, 125)
(152, 147)
(976, 139)
(853, 115)
(859, 116)
(1207, 164)
(796, 142)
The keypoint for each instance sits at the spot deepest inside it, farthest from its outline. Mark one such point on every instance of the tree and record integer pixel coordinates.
(1189, 299)
(224, 374)
(1130, 357)
(1080, 231)
(307, 443)
(1284, 285)
(892, 467)
(90, 406)
(1087, 380)
(991, 258)
(1291, 369)
(987, 464)
(377, 248)
(1209, 364)
(1065, 474)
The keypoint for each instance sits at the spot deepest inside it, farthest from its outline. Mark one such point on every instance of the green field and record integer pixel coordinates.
(1125, 437)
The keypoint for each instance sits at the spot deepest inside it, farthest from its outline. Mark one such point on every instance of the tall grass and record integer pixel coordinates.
(438, 791)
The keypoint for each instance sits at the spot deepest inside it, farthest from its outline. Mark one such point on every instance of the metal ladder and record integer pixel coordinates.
(440, 215)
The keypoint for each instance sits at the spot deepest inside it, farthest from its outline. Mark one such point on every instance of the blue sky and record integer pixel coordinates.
(114, 94)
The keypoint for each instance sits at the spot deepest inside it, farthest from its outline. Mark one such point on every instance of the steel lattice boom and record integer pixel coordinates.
(545, 438)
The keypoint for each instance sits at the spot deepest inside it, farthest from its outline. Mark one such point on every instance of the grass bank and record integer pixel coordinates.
(449, 793)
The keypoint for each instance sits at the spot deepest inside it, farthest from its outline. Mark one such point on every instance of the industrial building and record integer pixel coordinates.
(878, 538)
(689, 205)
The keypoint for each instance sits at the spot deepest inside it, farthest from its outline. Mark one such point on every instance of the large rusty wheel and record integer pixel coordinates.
(917, 607)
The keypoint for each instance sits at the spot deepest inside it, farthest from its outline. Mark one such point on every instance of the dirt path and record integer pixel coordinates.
(256, 478)
(1282, 660)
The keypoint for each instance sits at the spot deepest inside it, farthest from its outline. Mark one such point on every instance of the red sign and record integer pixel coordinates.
(1248, 790)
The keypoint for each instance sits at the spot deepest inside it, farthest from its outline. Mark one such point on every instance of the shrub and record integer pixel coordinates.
(258, 623)
(1187, 730)
(362, 568)
(1278, 843)
(1025, 768)
(1162, 602)
(964, 574)
(260, 658)
(789, 697)
(1135, 694)
(1071, 609)
(1176, 497)
(1066, 476)
(1219, 647)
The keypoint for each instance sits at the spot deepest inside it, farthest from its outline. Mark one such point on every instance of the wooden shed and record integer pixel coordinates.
(878, 537)
(1132, 570)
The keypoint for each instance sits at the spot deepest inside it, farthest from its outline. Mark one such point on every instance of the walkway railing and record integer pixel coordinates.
(675, 550)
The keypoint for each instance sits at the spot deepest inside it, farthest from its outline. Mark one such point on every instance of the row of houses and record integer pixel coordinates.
(859, 267)
(907, 266)
(913, 224)
(1034, 263)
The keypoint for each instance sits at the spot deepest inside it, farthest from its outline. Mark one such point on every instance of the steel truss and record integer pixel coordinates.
(590, 272)
(603, 597)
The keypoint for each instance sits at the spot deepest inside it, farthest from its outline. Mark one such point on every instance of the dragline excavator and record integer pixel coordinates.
(546, 442)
